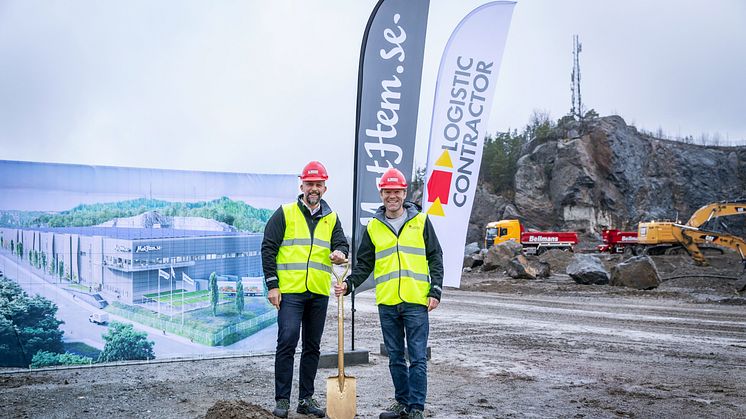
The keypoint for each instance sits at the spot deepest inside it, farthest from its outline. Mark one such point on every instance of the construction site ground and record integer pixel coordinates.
(501, 347)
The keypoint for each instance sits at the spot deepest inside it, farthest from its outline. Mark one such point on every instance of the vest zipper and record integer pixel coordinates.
(398, 258)
(310, 251)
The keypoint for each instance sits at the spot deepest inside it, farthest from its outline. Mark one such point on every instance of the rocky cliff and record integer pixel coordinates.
(603, 173)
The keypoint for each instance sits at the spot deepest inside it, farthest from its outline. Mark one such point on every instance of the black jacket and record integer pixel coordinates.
(274, 231)
(366, 254)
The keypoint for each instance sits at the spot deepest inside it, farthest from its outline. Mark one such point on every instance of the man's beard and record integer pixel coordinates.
(313, 199)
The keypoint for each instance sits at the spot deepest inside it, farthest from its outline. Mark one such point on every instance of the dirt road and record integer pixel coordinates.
(506, 348)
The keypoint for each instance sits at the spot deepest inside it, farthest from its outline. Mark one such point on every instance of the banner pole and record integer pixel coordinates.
(356, 168)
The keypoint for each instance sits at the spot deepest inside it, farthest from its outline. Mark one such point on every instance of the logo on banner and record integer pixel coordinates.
(439, 184)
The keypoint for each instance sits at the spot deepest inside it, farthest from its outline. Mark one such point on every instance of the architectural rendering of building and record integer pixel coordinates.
(124, 264)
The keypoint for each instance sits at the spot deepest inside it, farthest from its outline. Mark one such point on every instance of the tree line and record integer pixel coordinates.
(238, 214)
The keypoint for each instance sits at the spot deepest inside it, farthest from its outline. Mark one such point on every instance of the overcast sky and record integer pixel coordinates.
(265, 86)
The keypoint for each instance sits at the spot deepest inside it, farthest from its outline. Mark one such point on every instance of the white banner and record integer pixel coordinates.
(186, 278)
(463, 99)
(163, 274)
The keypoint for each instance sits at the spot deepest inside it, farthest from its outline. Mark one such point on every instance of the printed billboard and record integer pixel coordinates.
(175, 254)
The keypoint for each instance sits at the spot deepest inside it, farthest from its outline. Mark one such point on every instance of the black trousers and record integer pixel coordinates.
(298, 313)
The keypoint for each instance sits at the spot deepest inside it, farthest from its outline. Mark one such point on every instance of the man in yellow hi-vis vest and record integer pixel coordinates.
(400, 247)
(301, 241)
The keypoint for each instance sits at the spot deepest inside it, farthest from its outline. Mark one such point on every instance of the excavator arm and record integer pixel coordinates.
(691, 237)
(717, 209)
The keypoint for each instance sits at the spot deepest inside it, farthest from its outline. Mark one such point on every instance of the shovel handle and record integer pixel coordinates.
(340, 327)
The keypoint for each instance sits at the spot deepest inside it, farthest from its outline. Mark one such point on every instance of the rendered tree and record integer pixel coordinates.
(27, 325)
(214, 293)
(46, 359)
(122, 342)
(239, 296)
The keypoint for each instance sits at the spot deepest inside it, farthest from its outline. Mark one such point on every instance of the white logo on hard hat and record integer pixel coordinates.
(392, 179)
(313, 172)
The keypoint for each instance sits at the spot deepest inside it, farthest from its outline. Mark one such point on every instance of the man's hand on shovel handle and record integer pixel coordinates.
(340, 288)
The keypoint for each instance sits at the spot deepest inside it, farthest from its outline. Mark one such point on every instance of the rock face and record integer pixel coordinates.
(638, 272)
(587, 270)
(487, 207)
(607, 174)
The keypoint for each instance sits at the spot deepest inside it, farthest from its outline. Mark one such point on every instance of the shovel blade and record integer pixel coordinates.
(340, 404)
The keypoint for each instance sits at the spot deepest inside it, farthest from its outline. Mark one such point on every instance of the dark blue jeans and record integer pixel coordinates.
(408, 321)
(306, 312)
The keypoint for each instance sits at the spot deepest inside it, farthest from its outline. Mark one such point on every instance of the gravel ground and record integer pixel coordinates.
(500, 348)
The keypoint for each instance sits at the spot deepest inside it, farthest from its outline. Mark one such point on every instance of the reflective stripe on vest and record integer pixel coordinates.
(302, 262)
(401, 270)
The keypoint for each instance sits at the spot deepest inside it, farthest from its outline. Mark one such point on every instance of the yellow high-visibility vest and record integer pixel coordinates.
(303, 263)
(401, 271)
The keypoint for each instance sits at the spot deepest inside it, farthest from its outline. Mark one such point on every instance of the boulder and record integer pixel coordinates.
(741, 284)
(471, 248)
(638, 272)
(469, 261)
(500, 255)
(520, 267)
(557, 259)
(587, 270)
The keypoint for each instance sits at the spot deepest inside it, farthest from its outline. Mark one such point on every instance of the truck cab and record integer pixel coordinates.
(501, 231)
(533, 242)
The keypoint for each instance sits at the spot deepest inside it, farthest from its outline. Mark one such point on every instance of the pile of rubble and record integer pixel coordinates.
(638, 272)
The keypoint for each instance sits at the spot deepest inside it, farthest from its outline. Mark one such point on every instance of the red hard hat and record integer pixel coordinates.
(392, 179)
(314, 171)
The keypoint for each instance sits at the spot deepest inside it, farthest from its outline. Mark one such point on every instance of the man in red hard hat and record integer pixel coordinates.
(301, 241)
(400, 247)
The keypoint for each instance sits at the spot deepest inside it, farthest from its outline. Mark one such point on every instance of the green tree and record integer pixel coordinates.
(61, 269)
(214, 293)
(122, 342)
(27, 325)
(239, 296)
(12, 247)
(19, 249)
(500, 160)
(47, 359)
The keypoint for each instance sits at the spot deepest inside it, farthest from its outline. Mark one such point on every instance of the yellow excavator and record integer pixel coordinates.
(666, 237)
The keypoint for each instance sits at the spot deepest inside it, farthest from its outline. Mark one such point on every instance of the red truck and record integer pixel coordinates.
(617, 241)
(536, 242)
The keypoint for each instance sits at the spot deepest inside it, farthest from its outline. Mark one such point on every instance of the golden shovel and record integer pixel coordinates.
(341, 390)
